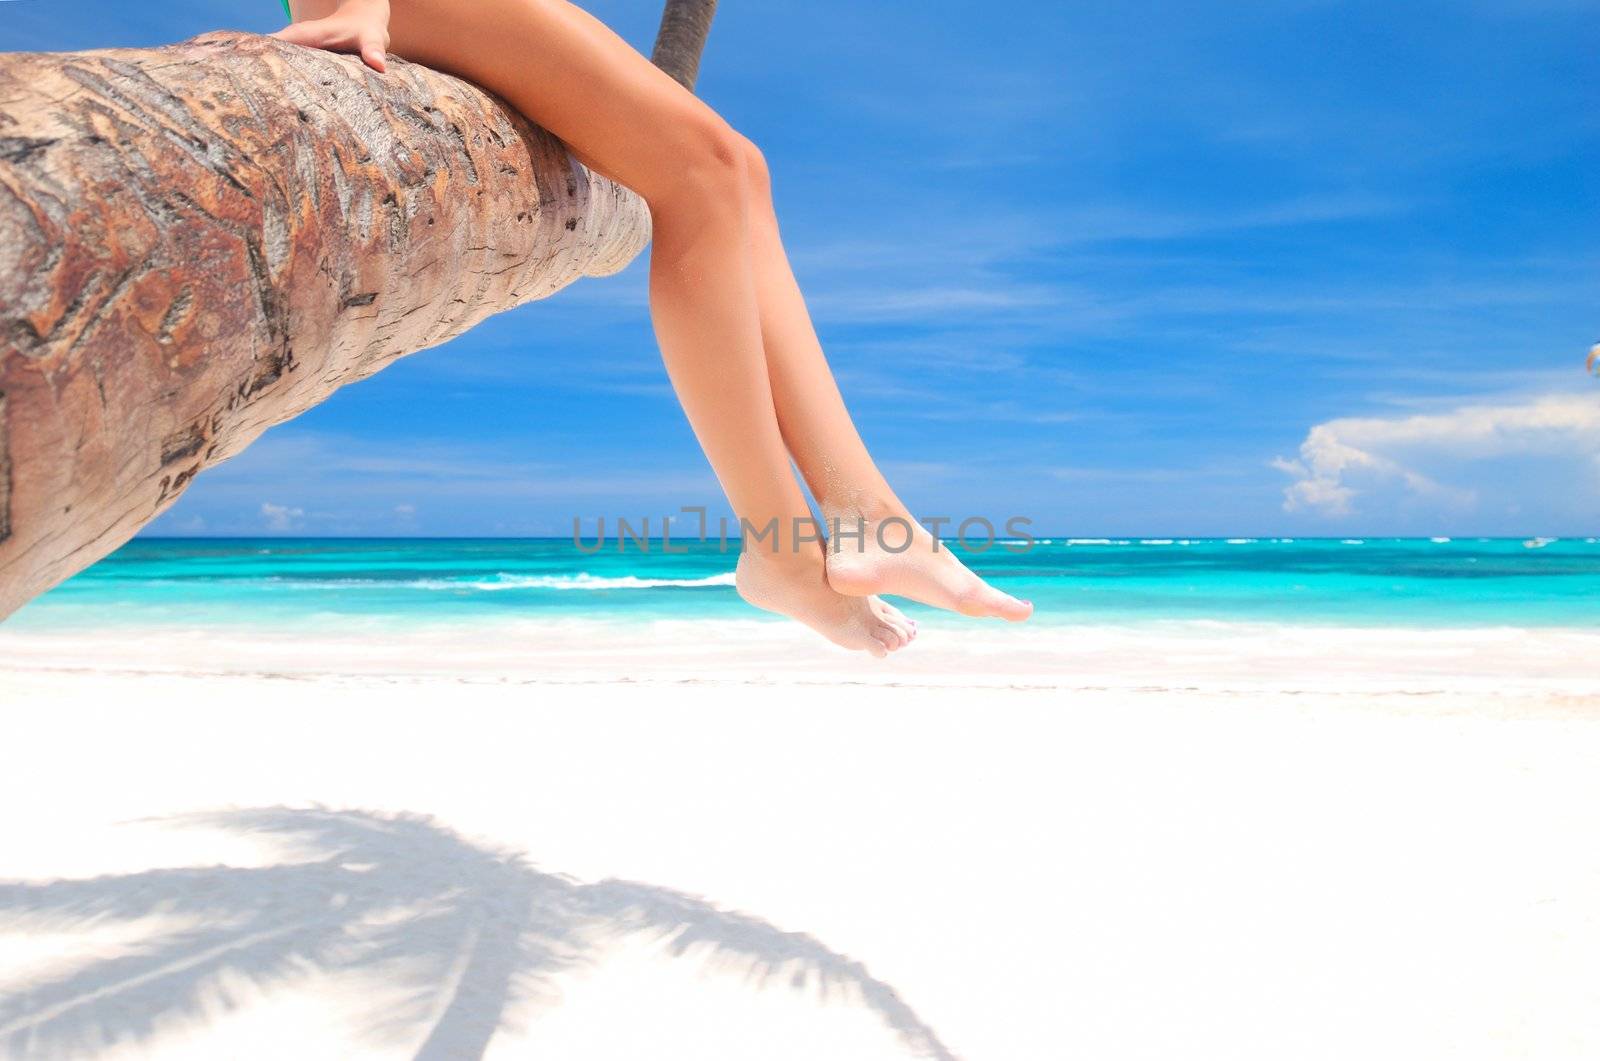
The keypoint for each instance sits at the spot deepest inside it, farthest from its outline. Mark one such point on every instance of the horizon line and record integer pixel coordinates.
(1143, 538)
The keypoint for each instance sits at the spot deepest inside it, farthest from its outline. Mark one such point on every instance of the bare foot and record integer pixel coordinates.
(925, 570)
(797, 586)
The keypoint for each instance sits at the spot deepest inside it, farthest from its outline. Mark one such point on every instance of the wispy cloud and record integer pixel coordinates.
(336, 466)
(281, 517)
(938, 301)
(1143, 221)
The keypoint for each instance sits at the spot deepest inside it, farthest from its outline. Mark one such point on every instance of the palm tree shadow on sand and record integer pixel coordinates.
(463, 934)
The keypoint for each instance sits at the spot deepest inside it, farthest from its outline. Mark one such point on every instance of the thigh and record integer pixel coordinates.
(565, 71)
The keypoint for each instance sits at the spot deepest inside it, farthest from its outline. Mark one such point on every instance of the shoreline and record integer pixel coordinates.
(1151, 657)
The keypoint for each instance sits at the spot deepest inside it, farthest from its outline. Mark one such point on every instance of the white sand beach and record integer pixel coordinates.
(1017, 844)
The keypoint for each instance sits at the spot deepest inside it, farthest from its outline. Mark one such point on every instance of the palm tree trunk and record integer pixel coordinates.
(682, 38)
(200, 241)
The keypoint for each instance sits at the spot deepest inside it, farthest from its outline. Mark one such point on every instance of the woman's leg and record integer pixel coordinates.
(567, 72)
(829, 451)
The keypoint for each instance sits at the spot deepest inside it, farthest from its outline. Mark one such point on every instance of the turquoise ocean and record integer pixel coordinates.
(400, 583)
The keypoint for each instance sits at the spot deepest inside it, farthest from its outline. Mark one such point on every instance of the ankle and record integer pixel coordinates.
(870, 539)
(868, 509)
(801, 560)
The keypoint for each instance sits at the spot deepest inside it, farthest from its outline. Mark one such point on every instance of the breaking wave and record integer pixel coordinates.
(582, 581)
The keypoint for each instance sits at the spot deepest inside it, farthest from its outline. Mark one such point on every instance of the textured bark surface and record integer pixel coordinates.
(682, 38)
(200, 241)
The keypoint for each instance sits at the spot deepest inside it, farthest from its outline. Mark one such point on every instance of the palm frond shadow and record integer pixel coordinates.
(462, 934)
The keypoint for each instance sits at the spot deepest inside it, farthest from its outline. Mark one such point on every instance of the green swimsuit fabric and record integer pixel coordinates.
(286, 12)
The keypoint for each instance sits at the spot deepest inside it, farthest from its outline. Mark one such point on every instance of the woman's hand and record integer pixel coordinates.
(358, 26)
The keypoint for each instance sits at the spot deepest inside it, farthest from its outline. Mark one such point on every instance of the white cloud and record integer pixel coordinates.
(280, 517)
(942, 302)
(1444, 456)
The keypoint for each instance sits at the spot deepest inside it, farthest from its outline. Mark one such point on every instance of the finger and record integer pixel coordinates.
(373, 55)
(311, 34)
(324, 33)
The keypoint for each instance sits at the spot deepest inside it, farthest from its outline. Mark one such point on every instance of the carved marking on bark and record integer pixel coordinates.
(185, 443)
(18, 149)
(177, 312)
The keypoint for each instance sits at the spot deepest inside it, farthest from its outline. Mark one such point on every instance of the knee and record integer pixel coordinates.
(757, 178)
(709, 164)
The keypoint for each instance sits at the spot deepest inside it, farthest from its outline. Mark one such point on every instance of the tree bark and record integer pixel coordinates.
(200, 241)
(682, 38)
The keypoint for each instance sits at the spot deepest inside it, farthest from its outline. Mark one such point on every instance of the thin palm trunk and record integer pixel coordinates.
(682, 38)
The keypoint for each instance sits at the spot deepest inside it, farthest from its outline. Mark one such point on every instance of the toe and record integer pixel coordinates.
(1012, 608)
(904, 623)
(892, 620)
(988, 601)
(905, 620)
(899, 620)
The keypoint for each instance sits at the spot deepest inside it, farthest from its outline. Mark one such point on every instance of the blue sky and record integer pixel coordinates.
(1288, 267)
